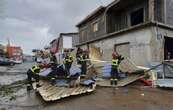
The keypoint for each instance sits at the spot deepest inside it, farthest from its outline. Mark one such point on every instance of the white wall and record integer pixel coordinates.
(67, 42)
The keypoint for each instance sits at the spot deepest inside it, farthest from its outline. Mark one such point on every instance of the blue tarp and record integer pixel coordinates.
(45, 72)
(107, 72)
(87, 82)
(74, 70)
(48, 71)
(61, 82)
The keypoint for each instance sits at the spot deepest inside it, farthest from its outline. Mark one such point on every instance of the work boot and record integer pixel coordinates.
(38, 85)
(28, 88)
(115, 82)
(111, 82)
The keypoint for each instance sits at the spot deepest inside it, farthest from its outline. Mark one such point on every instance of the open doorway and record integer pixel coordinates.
(168, 49)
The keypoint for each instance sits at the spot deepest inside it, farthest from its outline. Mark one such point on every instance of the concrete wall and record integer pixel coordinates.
(120, 18)
(139, 44)
(159, 12)
(157, 42)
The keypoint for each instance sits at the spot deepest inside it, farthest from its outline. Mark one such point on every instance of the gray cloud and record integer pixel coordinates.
(34, 23)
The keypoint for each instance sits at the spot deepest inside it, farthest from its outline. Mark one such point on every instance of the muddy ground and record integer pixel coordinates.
(133, 97)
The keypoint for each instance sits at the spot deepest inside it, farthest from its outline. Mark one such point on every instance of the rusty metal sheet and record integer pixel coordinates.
(51, 93)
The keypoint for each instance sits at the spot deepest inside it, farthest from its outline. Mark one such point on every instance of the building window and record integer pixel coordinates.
(95, 27)
(137, 17)
(83, 35)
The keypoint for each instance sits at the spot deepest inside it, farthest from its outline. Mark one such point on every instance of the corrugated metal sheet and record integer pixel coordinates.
(127, 66)
(121, 83)
(168, 83)
(52, 93)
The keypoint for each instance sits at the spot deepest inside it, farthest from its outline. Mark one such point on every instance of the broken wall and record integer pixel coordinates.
(139, 45)
(157, 42)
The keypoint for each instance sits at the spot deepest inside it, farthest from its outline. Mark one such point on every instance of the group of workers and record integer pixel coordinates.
(81, 58)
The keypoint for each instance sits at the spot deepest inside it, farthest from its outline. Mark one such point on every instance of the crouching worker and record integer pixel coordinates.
(32, 73)
(68, 60)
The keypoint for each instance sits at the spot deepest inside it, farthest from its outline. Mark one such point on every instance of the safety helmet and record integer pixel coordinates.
(35, 69)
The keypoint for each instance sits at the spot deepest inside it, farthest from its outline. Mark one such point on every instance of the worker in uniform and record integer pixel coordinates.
(116, 60)
(32, 73)
(114, 69)
(78, 54)
(68, 60)
(53, 59)
(83, 62)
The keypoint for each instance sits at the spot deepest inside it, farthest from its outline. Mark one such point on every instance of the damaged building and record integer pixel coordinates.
(139, 29)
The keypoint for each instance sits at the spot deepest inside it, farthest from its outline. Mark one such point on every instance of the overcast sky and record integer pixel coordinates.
(34, 23)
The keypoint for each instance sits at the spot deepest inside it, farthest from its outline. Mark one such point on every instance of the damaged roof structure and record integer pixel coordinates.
(139, 29)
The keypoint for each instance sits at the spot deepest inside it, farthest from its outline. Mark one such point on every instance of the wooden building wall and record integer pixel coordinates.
(86, 31)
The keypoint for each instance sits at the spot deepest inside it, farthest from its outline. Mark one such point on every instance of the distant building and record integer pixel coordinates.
(14, 52)
(2, 50)
(68, 41)
(64, 41)
(139, 29)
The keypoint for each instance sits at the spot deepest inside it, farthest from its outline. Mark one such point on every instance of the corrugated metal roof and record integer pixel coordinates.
(51, 93)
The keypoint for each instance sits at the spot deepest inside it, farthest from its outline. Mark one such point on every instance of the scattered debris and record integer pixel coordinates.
(10, 90)
(142, 94)
(6, 90)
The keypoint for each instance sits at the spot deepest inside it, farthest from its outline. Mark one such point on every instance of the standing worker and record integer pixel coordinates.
(116, 60)
(78, 54)
(83, 62)
(32, 73)
(114, 69)
(68, 60)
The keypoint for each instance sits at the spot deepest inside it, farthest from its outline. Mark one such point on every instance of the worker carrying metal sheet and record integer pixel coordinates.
(83, 62)
(116, 59)
(32, 73)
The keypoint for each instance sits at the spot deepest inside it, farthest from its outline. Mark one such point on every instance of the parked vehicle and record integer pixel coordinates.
(17, 61)
(6, 62)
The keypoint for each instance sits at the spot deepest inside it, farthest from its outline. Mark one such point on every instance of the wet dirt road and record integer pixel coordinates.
(133, 97)
(104, 99)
